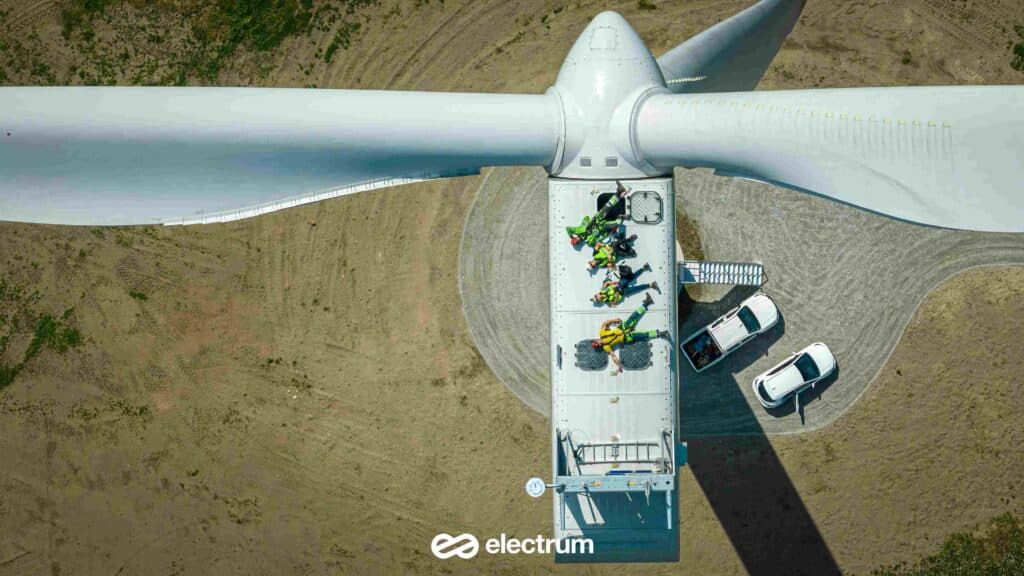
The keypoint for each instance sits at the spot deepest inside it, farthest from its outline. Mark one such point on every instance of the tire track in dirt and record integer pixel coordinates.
(459, 30)
(417, 52)
(350, 69)
(496, 47)
(964, 22)
(510, 204)
(33, 15)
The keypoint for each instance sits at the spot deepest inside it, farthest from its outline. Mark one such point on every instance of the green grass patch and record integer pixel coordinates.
(78, 14)
(50, 332)
(999, 549)
(224, 26)
(688, 236)
(141, 296)
(255, 24)
(125, 240)
(342, 39)
(7, 374)
(219, 28)
(125, 408)
(1018, 49)
(53, 333)
(181, 42)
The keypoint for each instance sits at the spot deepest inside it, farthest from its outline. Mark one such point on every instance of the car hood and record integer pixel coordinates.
(764, 309)
(823, 357)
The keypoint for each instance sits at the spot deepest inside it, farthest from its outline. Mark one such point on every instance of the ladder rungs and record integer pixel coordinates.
(737, 273)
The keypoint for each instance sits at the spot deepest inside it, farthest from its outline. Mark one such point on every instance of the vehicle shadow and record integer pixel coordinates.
(706, 399)
(700, 313)
(752, 351)
(807, 398)
(742, 477)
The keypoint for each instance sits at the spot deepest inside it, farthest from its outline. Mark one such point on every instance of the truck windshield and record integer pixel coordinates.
(749, 320)
(808, 369)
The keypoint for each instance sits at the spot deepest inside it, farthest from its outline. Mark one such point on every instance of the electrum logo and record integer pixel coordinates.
(442, 546)
(466, 546)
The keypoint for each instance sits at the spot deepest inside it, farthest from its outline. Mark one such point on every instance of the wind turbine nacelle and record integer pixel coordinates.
(607, 74)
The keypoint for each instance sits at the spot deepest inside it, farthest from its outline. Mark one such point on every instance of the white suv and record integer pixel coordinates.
(793, 375)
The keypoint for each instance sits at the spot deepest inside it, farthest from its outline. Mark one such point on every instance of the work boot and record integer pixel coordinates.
(647, 267)
(656, 287)
(648, 301)
(662, 333)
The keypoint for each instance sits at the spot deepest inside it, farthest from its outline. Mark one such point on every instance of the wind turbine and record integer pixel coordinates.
(939, 156)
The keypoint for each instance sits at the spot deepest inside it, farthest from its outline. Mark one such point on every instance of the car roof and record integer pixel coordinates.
(783, 382)
(730, 333)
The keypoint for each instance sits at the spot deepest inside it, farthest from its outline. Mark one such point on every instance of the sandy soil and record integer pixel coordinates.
(167, 443)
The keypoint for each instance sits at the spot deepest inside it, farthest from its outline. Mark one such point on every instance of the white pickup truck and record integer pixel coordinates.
(707, 346)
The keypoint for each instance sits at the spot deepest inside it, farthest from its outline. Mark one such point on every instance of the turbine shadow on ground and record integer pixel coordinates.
(641, 534)
(742, 478)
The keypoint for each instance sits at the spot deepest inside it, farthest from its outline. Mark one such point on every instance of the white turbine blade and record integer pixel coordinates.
(943, 156)
(733, 55)
(144, 155)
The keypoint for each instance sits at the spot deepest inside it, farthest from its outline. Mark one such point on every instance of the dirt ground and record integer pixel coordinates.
(297, 394)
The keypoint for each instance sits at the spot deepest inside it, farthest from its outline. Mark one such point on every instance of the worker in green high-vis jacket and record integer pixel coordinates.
(613, 289)
(606, 254)
(593, 230)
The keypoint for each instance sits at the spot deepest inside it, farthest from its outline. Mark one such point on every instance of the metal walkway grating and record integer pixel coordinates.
(590, 359)
(738, 273)
(634, 356)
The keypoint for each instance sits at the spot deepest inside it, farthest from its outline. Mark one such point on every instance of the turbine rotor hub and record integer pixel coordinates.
(607, 74)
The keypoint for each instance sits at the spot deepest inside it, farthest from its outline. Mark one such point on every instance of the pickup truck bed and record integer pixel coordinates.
(701, 350)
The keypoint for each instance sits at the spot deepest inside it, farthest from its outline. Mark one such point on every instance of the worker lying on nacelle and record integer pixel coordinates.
(598, 228)
(617, 287)
(606, 254)
(615, 332)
